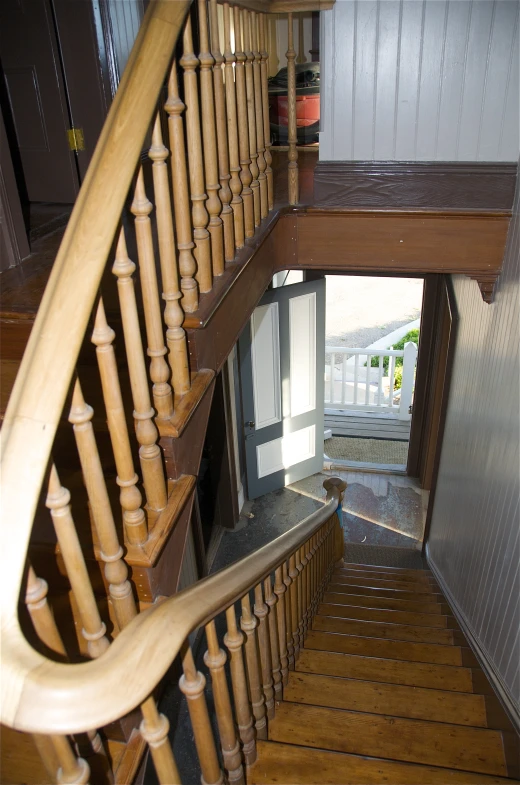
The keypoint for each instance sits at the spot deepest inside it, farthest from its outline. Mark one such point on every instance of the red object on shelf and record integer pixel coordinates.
(307, 110)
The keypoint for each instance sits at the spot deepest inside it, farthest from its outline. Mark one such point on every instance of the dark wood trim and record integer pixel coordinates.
(431, 184)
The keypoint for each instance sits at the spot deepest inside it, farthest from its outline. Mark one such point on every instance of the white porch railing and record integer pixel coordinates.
(352, 383)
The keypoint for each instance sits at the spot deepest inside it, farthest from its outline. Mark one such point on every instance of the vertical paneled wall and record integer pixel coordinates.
(426, 80)
(474, 539)
(125, 19)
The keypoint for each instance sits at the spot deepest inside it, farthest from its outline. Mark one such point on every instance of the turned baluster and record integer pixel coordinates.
(116, 571)
(215, 659)
(294, 591)
(235, 182)
(94, 629)
(264, 646)
(288, 616)
(305, 606)
(159, 370)
(234, 640)
(262, 20)
(199, 214)
(299, 581)
(248, 623)
(251, 111)
(259, 115)
(146, 432)
(271, 602)
(209, 135)
(280, 590)
(308, 568)
(291, 115)
(222, 137)
(243, 128)
(154, 730)
(192, 684)
(187, 266)
(134, 520)
(72, 770)
(173, 313)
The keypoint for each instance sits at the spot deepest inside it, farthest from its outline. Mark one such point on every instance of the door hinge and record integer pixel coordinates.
(76, 139)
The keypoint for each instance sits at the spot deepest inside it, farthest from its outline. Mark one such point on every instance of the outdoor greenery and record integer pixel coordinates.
(412, 335)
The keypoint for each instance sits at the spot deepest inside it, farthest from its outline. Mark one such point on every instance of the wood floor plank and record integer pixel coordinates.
(395, 632)
(421, 578)
(279, 764)
(413, 674)
(375, 584)
(376, 647)
(371, 600)
(415, 741)
(393, 617)
(394, 699)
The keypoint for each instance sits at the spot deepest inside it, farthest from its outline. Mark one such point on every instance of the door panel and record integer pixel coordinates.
(282, 354)
(29, 53)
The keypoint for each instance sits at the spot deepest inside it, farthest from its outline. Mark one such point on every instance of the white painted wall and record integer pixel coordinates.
(426, 80)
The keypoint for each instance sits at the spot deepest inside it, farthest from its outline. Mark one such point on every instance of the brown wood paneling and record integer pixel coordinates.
(430, 184)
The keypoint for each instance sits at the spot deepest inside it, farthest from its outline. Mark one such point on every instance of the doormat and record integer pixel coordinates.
(381, 556)
(345, 448)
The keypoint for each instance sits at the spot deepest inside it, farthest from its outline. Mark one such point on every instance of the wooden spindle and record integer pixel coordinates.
(187, 265)
(146, 432)
(245, 19)
(209, 135)
(40, 612)
(116, 571)
(288, 616)
(264, 646)
(262, 20)
(199, 214)
(248, 624)
(192, 684)
(235, 182)
(308, 587)
(173, 313)
(222, 136)
(72, 770)
(299, 581)
(293, 574)
(215, 659)
(94, 630)
(280, 590)
(234, 640)
(159, 371)
(154, 730)
(291, 113)
(259, 114)
(271, 602)
(243, 128)
(134, 520)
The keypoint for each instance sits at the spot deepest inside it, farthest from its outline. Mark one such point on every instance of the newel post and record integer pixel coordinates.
(341, 485)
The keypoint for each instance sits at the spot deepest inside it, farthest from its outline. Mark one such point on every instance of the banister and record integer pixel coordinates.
(48, 363)
(42, 696)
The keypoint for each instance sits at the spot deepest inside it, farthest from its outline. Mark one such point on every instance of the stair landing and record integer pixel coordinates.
(384, 692)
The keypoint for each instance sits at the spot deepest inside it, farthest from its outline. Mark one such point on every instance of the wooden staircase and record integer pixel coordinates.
(385, 690)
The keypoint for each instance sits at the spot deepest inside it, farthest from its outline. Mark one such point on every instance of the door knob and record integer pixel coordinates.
(249, 424)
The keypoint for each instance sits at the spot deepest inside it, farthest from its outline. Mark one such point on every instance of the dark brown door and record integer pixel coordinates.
(36, 93)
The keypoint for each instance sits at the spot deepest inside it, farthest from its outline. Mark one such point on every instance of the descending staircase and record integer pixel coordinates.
(385, 690)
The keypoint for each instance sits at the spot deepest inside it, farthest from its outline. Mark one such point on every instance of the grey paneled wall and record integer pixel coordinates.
(430, 80)
(125, 18)
(474, 537)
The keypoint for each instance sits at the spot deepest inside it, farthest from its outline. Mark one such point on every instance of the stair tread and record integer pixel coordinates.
(379, 698)
(385, 569)
(283, 763)
(384, 589)
(369, 629)
(414, 674)
(371, 600)
(429, 620)
(378, 647)
(351, 572)
(414, 741)
(419, 587)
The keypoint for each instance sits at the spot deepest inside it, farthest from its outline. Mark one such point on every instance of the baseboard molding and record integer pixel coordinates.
(415, 184)
(485, 663)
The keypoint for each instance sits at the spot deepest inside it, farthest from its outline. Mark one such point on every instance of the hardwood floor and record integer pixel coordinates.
(385, 690)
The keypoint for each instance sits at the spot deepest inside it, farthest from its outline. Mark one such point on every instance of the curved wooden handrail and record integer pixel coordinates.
(42, 696)
(44, 378)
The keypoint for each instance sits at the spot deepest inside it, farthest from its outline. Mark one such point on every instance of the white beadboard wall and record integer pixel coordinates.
(425, 80)
(474, 539)
(125, 18)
